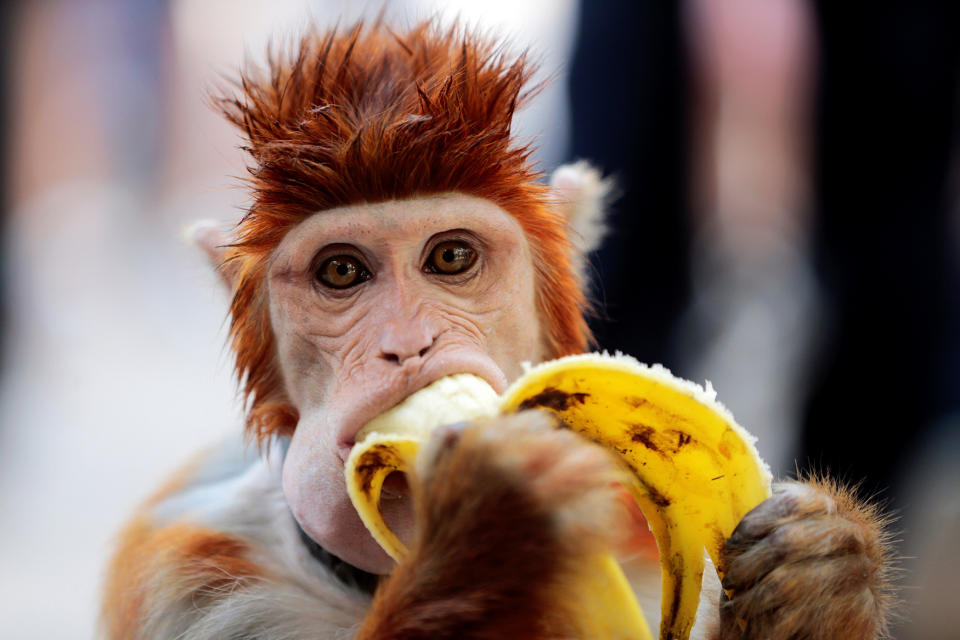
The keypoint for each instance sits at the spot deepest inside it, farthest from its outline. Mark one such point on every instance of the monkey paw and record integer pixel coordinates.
(506, 511)
(810, 562)
(519, 472)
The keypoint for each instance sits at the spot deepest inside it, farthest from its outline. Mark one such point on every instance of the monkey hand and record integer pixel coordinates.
(505, 511)
(810, 562)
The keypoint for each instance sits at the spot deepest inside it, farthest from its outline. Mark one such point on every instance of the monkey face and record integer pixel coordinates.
(372, 302)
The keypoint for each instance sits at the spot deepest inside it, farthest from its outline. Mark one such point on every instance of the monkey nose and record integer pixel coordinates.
(399, 346)
(396, 357)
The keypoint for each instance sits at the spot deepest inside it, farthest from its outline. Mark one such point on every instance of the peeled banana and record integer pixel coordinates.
(696, 472)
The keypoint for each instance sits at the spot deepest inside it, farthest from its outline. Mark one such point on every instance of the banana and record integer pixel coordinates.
(696, 471)
(390, 443)
(605, 606)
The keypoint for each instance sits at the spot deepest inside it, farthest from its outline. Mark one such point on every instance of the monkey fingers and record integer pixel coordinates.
(510, 511)
(810, 562)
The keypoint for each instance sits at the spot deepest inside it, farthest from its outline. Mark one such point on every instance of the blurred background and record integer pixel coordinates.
(787, 226)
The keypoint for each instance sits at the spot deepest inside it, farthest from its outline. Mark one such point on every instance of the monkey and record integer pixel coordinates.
(398, 233)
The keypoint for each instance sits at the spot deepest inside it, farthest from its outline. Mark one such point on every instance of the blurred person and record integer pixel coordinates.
(753, 317)
(629, 88)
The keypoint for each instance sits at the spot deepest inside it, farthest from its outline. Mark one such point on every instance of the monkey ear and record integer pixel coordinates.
(214, 239)
(583, 196)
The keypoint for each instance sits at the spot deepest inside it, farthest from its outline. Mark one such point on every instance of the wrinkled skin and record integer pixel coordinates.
(349, 354)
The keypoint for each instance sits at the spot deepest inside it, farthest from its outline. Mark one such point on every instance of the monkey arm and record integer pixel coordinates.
(507, 513)
(810, 562)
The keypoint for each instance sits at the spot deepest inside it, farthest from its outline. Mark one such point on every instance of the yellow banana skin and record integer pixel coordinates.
(366, 469)
(697, 471)
(390, 442)
(696, 474)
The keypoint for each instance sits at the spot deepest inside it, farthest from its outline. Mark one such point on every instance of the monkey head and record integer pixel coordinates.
(397, 235)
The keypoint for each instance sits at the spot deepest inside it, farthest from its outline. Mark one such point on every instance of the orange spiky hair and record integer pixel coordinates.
(370, 115)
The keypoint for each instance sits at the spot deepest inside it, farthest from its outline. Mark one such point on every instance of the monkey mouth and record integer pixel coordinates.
(402, 489)
(347, 434)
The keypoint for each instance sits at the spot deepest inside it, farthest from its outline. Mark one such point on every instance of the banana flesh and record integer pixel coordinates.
(696, 472)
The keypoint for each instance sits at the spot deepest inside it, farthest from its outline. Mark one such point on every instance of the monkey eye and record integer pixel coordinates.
(342, 272)
(450, 257)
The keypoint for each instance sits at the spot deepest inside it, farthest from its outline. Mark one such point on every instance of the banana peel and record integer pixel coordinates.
(390, 443)
(695, 471)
